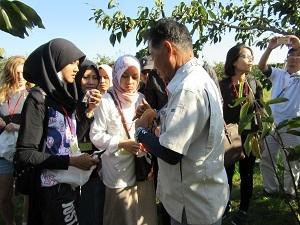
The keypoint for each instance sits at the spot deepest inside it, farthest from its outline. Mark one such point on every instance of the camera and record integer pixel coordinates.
(87, 96)
(283, 40)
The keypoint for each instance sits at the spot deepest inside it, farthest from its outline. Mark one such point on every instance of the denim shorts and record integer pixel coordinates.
(6, 167)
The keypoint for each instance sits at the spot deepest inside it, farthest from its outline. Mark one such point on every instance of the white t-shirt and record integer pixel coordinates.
(192, 125)
(287, 86)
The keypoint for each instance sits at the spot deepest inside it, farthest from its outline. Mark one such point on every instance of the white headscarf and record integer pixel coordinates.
(108, 70)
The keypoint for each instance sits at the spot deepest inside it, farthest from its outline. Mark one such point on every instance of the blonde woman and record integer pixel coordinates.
(12, 96)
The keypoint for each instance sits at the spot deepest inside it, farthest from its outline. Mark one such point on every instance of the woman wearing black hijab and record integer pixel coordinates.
(47, 137)
(91, 200)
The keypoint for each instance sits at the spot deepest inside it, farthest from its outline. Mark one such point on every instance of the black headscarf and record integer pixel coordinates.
(43, 64)
(86, 64)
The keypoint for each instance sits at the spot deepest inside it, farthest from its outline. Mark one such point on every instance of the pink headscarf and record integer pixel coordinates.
(122, 64)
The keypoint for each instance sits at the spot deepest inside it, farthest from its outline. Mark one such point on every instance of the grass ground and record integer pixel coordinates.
(263, 210)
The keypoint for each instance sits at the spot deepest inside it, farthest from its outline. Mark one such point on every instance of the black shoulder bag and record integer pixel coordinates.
(142, 167)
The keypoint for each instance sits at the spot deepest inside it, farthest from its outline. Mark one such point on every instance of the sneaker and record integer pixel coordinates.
(241, 218)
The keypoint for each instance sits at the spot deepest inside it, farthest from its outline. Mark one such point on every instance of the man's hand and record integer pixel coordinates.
(273, 43)
(84, 161)
(147, 118)
(295, 42)
(141, 109)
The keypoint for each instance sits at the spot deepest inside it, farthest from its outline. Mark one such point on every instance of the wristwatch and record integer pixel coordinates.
(137, 132)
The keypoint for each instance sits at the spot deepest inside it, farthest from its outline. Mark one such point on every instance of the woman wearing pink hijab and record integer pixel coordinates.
(127, 201)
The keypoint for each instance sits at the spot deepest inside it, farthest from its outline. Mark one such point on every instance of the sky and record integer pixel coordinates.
(70, 20)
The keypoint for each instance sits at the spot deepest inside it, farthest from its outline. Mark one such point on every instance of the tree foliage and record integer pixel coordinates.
(103, 59)
(16, 17)
(2, 51)
(252, 22)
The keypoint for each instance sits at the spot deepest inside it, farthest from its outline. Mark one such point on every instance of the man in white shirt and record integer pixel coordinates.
(285, 83)
(192, 183)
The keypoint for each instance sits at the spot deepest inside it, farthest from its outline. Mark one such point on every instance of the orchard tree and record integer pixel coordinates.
(252, 22)
(16, 17)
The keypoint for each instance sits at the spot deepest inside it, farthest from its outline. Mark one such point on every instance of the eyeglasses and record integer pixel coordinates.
(249, 57)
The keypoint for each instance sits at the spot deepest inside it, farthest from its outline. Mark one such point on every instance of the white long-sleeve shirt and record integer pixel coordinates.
(106, 132)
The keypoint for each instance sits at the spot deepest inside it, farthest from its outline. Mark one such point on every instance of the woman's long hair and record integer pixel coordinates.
(232, 55)
(9, 78)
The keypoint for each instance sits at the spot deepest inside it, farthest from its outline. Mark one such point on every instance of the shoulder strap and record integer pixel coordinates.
(120, 112)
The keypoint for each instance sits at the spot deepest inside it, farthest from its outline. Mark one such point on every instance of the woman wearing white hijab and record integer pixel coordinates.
(127, 201)
(105, 72)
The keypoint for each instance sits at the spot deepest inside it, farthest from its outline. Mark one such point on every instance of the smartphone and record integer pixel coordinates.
(283, 40)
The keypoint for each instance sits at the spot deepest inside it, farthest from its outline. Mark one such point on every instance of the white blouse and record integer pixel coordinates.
(106, 132)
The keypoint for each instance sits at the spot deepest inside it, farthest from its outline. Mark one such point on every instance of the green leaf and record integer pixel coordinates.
(16, 16)
(159, 3)
(119, 35)
(112, 39)
(245, 122)
(294, 153)
(146, 12)
(111, 4)
(248, 144)
(123, 28)
(2, 51)
(267, 109)
(297, 149)
(267, 127)
(211, 14)
(237, 102)
(268, 119)
(244, 110)
(282, 124)
(6, 19)
(294, 123)
(276, 100)
(32, 17)
(294, 132)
